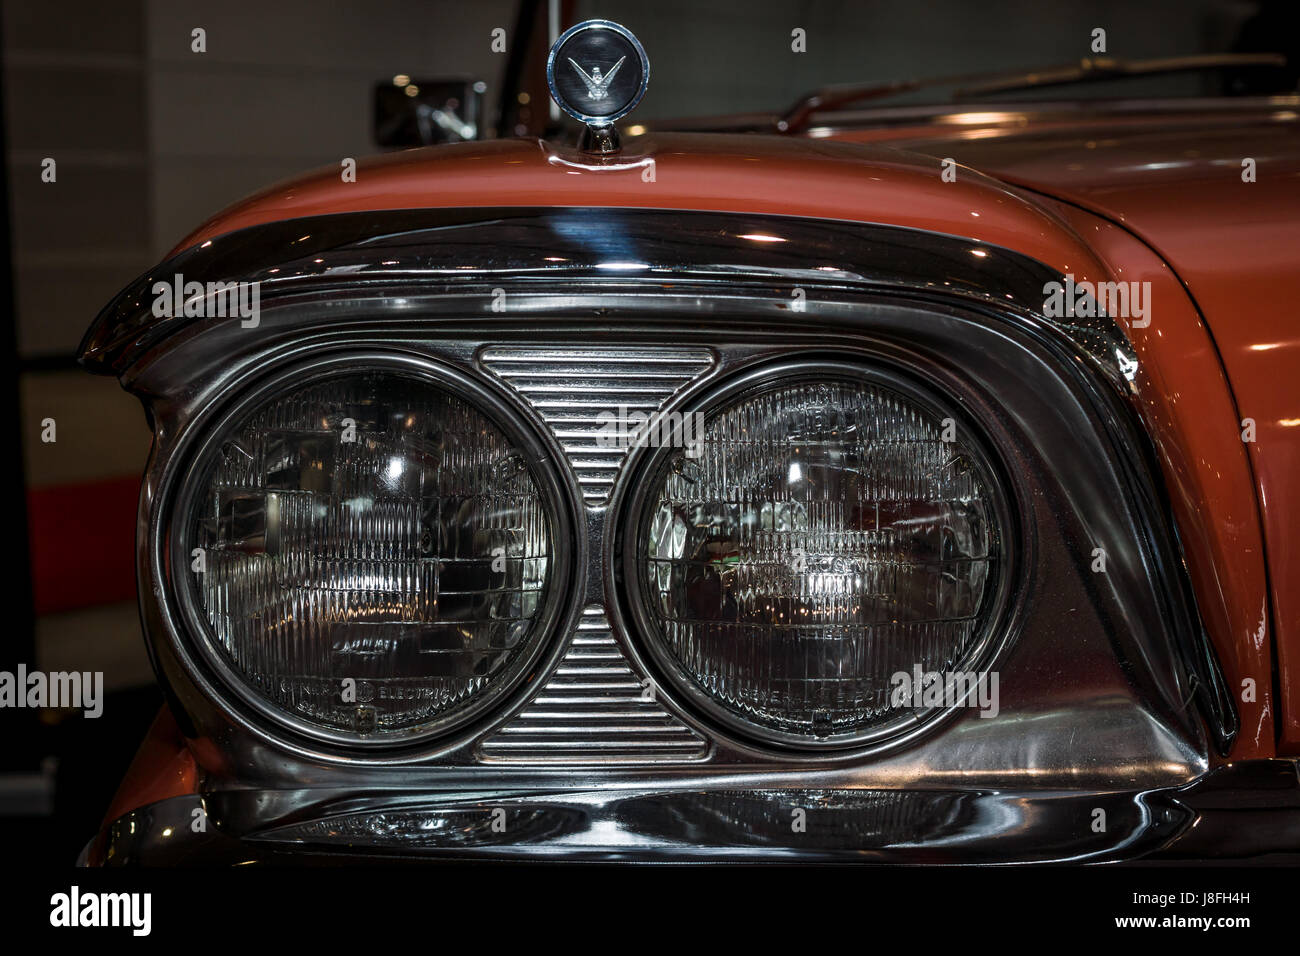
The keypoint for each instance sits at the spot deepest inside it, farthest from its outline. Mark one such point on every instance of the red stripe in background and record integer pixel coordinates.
(82, 543)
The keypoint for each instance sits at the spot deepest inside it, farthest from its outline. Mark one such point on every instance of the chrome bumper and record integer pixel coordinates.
(1245, 812)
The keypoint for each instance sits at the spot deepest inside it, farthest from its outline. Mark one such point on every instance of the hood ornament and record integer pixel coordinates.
(597, 85)
(597, 73)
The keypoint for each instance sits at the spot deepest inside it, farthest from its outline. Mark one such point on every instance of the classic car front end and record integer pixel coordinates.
(728, 496)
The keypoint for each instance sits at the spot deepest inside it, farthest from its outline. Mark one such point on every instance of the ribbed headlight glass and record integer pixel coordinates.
(373, 554)
(826, 534)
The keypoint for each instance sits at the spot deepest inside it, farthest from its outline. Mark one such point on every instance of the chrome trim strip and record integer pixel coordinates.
(565, 386)
(594, 708)
(452, 250)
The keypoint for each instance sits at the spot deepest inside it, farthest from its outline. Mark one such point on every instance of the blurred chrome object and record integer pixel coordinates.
(969, 85)
(413, 112)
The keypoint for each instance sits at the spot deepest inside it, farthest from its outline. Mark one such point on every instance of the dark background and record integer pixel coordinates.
(150, 138)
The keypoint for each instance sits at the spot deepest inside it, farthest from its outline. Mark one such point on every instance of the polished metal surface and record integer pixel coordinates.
(570, 388)
(628, 254)
(594, 708)
(1239, 814)
(600, 141)
(1100, 669)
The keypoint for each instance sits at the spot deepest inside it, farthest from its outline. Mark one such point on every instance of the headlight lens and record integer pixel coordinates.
(375, 554)
(826, 538)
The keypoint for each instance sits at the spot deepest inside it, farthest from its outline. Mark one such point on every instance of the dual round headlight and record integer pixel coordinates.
(834, 528)
(378, 555)
(373, 554)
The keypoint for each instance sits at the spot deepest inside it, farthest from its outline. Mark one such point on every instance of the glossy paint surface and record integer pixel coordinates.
(163, 768)
(1188, 405)
(722, 173)
(1177, 183)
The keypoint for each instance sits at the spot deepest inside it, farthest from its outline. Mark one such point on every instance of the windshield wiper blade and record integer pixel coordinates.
(1090, 69)
(831, 97)
(970, 85)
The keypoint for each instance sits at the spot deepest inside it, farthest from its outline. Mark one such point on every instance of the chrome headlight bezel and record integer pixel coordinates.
(171, 543)
(633, 515)
(1043, 402)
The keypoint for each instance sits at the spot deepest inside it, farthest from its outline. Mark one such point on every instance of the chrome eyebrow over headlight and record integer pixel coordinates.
(671, 530)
